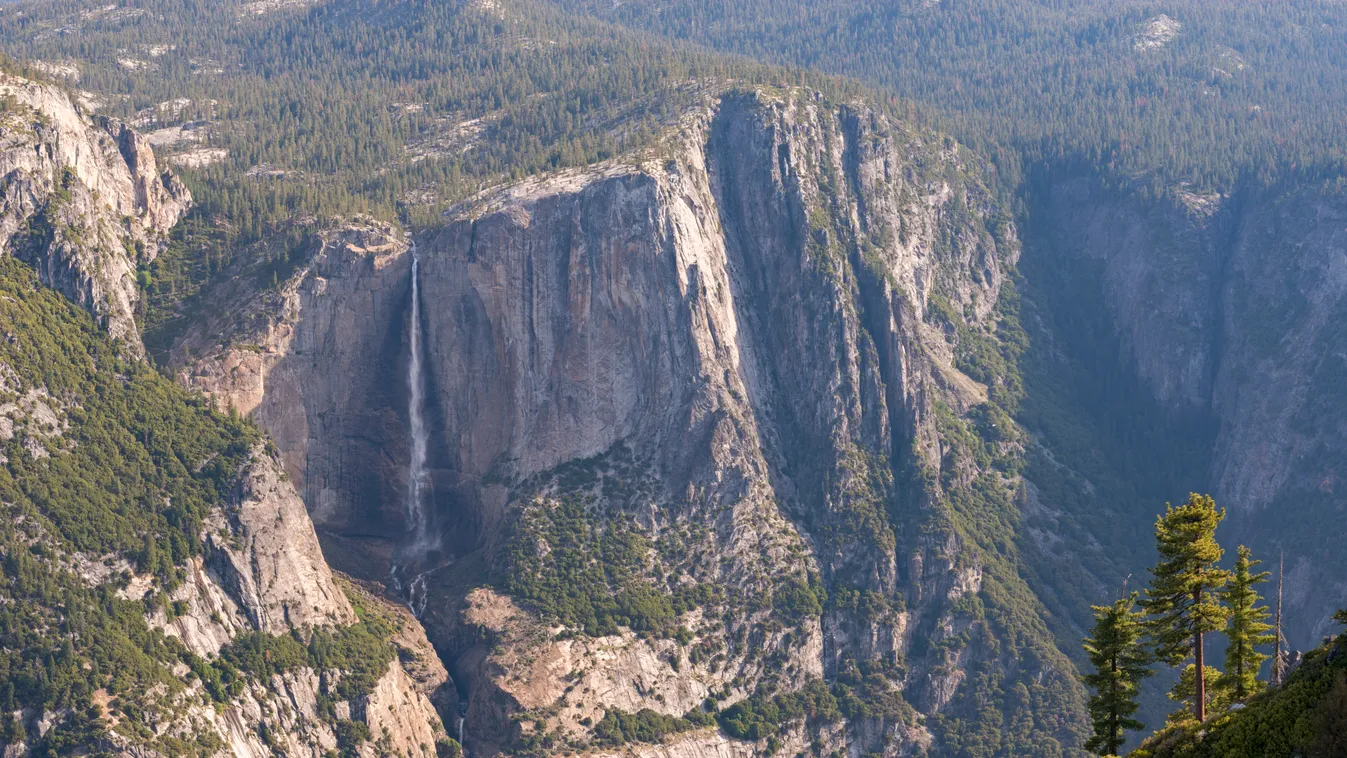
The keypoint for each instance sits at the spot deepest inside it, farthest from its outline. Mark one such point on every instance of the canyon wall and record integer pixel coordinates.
(753, 350)
(1226, 316)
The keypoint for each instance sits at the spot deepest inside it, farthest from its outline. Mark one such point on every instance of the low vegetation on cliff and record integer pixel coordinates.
(108, 475)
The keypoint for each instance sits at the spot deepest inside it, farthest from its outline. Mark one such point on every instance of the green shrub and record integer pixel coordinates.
(263, 655)
(350, 736)
(761, 717)
(587, 570)
(619, 727)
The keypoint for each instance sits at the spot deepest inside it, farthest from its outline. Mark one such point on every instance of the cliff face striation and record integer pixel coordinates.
(761, 377)
(84, 200)
(1215, 349)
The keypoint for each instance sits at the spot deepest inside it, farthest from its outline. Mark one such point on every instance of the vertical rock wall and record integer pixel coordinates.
(749, 318)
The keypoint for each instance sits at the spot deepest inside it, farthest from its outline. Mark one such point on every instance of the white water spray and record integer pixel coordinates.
(416, 469)
(418, 541)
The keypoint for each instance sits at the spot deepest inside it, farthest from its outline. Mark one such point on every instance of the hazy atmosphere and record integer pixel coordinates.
(673, 379)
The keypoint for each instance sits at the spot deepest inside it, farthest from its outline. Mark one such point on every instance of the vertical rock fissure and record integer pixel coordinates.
(1227, 233)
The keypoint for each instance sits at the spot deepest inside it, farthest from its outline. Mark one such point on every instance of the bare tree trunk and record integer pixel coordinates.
(1114, 743)
(1277, 663)
(1200, 704)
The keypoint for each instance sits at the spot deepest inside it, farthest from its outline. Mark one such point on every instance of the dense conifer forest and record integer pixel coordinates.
(396, 110)
(1185, 91)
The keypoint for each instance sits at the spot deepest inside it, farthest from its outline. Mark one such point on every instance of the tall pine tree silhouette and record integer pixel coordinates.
(1247, 630)
(1120, 663)
(1183, 600)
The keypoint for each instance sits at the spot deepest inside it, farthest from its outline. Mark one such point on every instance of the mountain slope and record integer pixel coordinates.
(733, 409)
(1178, 171)
(163, 590)
(149, 546)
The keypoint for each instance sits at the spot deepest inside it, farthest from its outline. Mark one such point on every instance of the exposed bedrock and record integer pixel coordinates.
(749, 341)
(82, 200)
(1228, 312)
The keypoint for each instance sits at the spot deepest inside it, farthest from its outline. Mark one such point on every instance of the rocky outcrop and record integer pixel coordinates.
(588, 676)
(707, 745)
(1276, 461)
(264, 572)
(399, 715)
(316, 361)
(271, 561)
(262, 575)
(84, 201)
(758, 346)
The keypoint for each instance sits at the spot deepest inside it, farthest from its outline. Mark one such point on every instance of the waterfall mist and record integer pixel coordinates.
(408, 573)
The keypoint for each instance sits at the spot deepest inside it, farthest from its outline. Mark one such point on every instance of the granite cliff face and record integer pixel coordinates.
(84, 200)
(753, 352)
(1225, 313)
(318, 363)
(782, 348)
(263, 571)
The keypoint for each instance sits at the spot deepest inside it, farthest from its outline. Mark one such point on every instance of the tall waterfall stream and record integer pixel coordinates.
(409, 569)
(419, 540)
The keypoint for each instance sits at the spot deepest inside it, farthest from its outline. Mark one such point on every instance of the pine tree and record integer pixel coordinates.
(1183, 600)
(1247, 630)
(1120, 663)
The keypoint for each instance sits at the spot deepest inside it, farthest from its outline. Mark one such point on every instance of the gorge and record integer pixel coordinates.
(581, 324)
(523, 378)
(546, 303)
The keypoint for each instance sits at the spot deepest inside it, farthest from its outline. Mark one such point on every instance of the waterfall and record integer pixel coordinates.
(418, 542)
(416, 468)
(410, 565)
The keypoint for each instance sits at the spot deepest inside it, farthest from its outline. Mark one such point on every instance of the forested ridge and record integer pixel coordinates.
(396, 110)
(1184, 91)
